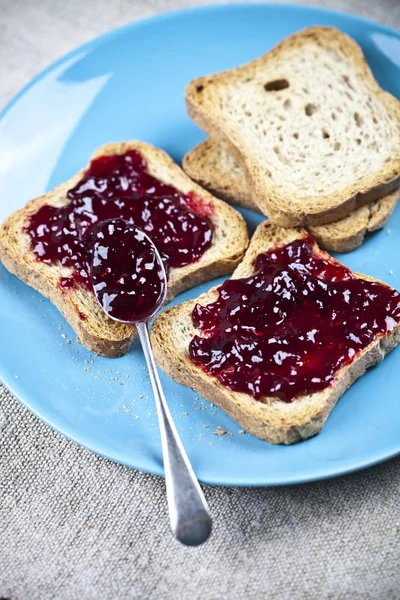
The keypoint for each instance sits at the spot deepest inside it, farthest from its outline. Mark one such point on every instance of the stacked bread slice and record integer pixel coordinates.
(303, 135)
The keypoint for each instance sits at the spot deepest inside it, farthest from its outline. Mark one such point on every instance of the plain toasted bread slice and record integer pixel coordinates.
(97, 331)
(317, 136)
(218, 172)
(268, 418)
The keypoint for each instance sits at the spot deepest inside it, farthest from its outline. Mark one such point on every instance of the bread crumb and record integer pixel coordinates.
(184, 414)
(390, 272)
(220, 430)
(241, 431)
(86, 369)
(126, 409)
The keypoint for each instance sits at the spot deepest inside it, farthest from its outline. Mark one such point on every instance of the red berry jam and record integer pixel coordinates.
(286, 330)
(119, 186)
(128, 277)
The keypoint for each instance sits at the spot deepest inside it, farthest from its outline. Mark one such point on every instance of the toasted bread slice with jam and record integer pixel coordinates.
(79, 306)
(212, 167)
(317, 136)
(269, 418)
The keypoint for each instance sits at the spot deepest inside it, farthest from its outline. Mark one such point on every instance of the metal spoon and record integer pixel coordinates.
(130, 284)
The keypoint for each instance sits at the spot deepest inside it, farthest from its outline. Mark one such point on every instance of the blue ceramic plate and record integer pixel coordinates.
(129, 84)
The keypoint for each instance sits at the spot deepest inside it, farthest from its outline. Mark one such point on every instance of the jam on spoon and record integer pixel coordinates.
(130, 284)
(128, 276)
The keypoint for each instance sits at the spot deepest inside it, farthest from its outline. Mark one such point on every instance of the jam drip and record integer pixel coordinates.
(286, 330)
(119, 186)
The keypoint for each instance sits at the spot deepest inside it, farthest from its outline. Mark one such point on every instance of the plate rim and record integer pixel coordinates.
(144, 465)
(222, 482)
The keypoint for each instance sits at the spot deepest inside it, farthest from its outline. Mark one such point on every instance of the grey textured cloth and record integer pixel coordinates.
(74, 526)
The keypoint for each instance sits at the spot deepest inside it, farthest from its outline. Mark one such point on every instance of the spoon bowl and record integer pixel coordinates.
(128, 274)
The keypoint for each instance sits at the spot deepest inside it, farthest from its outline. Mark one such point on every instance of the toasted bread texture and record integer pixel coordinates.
(317, 136)
(94, 329)
(216, 170)
(268, 418)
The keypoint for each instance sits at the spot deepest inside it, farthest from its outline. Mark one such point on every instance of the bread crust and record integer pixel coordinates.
(98, 332)
(269, 419)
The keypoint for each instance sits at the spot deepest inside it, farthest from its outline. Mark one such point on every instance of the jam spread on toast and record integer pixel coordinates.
(120, 186)
(127, 275)
(286, 330)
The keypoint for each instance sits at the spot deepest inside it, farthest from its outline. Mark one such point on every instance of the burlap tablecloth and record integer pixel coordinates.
(74, 526)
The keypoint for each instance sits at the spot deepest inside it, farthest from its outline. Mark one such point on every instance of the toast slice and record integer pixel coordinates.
(316, 135)
(210, 165)
(269, 418)
(95, 330)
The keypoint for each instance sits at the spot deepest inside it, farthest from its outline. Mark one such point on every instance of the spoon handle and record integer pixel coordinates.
(188, 510)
